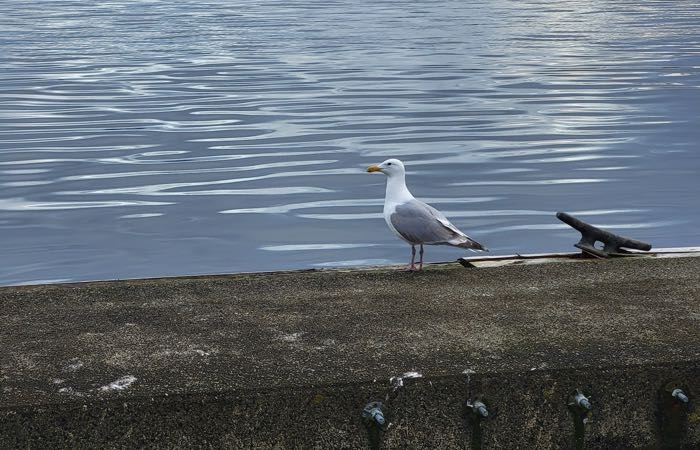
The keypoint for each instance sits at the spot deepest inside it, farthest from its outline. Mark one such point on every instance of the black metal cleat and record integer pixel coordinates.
(613, 244)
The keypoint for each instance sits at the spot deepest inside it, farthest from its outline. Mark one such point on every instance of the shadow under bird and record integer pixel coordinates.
(414, 221)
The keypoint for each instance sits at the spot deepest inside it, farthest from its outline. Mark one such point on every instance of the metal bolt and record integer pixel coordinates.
(581, 401)
(479, 408)
(396, 382)
(679, 395)
(373, 412)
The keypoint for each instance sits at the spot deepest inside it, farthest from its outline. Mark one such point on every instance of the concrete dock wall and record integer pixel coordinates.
(289, 360)
(528, 410)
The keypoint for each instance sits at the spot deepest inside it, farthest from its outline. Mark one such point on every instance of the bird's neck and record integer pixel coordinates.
(396, 190)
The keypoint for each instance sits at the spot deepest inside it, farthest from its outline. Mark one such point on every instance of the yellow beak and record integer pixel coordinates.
(374, 169)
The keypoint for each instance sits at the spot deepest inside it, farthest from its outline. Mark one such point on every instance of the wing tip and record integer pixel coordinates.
(473, 245)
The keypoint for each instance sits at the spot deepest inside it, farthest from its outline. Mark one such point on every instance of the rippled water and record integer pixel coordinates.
(146, 138)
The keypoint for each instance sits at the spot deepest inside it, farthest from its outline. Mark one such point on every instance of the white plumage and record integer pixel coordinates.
(414, 221)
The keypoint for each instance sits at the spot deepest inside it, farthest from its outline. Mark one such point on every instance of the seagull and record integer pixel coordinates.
(414, 221)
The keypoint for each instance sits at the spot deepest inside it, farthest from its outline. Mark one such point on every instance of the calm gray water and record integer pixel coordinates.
(147, 138)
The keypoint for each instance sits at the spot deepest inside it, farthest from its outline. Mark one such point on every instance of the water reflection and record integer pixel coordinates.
(254, 127)
(301, 247)
(20, 204)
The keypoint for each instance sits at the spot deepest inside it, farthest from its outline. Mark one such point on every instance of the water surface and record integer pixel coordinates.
(149, 138)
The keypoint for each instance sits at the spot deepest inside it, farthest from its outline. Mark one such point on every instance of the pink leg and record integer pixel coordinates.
(420, 263)
(412, 266)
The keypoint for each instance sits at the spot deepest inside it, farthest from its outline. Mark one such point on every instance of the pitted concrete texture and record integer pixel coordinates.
(289, 359)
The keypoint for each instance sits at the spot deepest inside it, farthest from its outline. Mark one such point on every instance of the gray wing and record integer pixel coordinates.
(421, 223)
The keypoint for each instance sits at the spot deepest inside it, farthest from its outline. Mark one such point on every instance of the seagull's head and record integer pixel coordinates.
(390, 167)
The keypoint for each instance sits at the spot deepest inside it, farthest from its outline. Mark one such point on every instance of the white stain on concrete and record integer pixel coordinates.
(70, 391)
(188, 352)
(74, 365)
(291, 337)
(120, 384)
(409, 375)
(398, 380)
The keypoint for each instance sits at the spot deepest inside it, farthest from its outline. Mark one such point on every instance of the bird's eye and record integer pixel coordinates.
(388, 164)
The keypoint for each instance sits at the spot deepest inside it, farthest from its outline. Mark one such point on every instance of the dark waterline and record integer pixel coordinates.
(163, 138)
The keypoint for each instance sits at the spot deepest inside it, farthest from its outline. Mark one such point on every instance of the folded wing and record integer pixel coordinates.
(420, 223)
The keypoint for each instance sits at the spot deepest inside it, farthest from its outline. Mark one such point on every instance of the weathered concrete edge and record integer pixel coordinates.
(476, 262)
(379, 385)
(628, 412)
